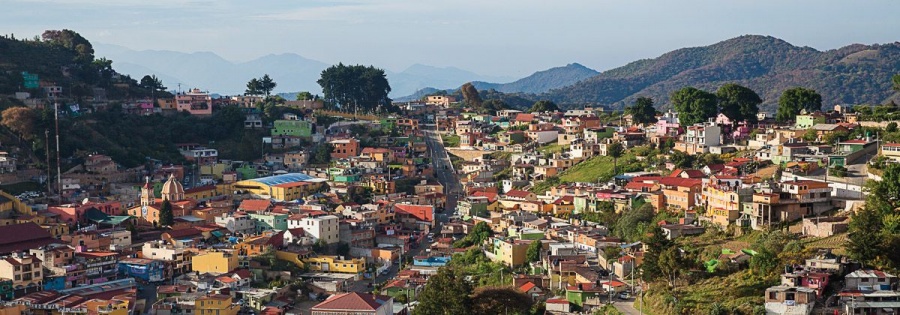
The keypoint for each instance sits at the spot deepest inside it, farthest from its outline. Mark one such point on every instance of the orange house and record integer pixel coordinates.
(344, 148)
(681, 193)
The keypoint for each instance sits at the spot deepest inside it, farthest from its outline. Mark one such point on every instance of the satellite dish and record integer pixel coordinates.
(85, 201)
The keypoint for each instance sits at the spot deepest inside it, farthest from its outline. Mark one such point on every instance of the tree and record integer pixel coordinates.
(343, 249)
(446, 293)
(253, 87)
(810, 135)
(166, 217)
(491, 106)
(71, 40)
(671, 263)
(681, 159)
(738, 103)
(656, 244)
(151, 82)
(499, 300)
(533, 253)
(864, 245)
(321, 154)
(20, 120)
(304, 96)
(895, 80)
(544, 106)
(470, 95)
(642, 111)
(355, 88)
(763, 262)
(615, 150)
(694, 106)
(795, 100)
(266, 85)
(891, 127)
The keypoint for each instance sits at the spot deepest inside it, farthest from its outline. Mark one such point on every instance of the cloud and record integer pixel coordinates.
(348, 12)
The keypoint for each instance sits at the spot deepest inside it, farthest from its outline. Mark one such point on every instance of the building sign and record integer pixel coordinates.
(30, 80)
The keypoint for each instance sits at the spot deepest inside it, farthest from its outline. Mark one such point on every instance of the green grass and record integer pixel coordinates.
(744, 290)
(450, 141)
(552, 148)
(592, 169)
(18, 188)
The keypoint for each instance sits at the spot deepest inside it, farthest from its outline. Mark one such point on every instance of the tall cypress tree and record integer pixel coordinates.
(166, 217)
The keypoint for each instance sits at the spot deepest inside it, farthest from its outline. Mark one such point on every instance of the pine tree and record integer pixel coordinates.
(166, 217)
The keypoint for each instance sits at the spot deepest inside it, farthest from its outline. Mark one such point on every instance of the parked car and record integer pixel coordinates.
(624, 296)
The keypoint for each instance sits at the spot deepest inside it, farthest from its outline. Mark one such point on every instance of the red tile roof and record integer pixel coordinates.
(524, 117)
(424, 213)
(527, 286)
(352, 301)
(491, 196)
(255, 205)
(518, 193)
(184, 233)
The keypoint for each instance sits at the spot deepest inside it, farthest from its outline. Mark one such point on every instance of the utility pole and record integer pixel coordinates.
(49, 172)
(58, 168)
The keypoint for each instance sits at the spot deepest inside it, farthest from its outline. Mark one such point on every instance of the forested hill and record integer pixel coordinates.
(542, 81)
(853, 74)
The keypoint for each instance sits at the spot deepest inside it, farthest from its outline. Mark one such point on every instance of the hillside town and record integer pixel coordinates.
(557, 211)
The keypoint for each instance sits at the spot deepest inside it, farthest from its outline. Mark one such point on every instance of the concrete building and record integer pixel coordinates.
(323, 227)
(195, 102)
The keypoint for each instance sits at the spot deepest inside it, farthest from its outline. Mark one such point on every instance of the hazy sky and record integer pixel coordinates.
(491, 37)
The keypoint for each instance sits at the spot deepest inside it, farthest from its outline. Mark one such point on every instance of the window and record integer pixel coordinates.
(864, 280)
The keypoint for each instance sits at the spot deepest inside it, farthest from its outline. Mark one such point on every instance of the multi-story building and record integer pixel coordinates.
(296, 128)
(178, 256)
(270, 221)
(237, 223)
(323, 227)
(724, 197)
(215, 304)
(792, 200)
(24, 270)
(214, 262)
(99, 164)
(509, 251)
(698, 138)
(679, 193)
(195, 102)
(891, 151)
(440, 100)
(344, 148)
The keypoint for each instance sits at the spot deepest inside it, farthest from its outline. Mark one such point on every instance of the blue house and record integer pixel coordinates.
(145, 269)
(433, 261)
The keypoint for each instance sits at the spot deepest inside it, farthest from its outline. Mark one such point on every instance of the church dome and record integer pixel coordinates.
(172, 189)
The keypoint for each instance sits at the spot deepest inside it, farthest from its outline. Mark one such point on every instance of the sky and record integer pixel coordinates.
(489, 37)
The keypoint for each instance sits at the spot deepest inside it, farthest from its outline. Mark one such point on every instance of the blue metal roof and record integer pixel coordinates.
(283, 179)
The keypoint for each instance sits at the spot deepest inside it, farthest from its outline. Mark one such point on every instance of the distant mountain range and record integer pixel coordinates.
(542, 81)
(292, 72)
(855, 74)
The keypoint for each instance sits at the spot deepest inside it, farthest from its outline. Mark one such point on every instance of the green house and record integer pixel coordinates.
(270, 221)
(297, 128)
(583, 292)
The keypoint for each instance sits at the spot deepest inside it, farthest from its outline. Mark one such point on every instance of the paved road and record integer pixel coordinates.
(452, 190)
(626, 307)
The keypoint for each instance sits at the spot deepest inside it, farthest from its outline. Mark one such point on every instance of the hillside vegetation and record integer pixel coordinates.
(853, 74)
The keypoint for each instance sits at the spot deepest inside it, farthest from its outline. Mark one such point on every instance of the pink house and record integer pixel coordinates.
(813, 280)
(195, 102)
(668, 125)
(71, 213)
(733, 129)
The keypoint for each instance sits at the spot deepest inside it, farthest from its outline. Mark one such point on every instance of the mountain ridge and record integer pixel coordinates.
(765, 64)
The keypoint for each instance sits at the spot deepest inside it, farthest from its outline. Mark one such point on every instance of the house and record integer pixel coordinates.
(825, 226)
(355, 304)
(791, 200)
(415, 216)
(440, 100)
(785, 300)
(891, 151)
(195, 102)
(532, 290)
(870, 280)
(680, 193)
(344, 148)
(322, 227)
(511, 252)
(724, 197)
(217, 262)
(25, 271)
(698, 138)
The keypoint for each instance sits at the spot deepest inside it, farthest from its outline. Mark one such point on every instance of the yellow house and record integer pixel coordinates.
(214, 262)
(10, 203)
(293, 257)
(202, 192)
(215, 304)
(335, 264)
